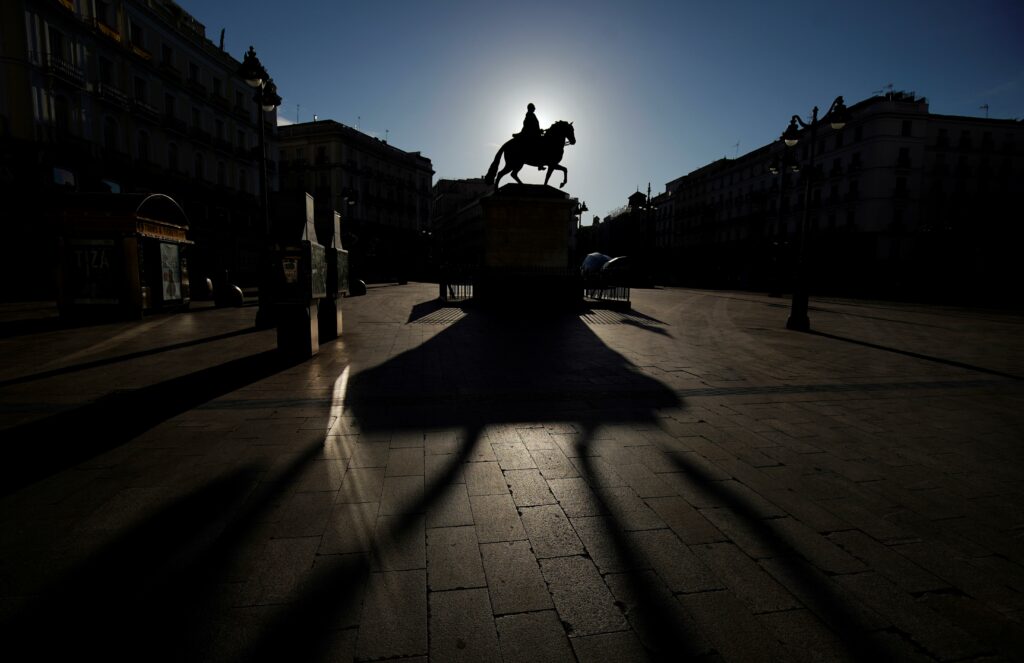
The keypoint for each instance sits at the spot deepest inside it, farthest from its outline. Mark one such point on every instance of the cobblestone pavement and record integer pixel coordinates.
(686, 479)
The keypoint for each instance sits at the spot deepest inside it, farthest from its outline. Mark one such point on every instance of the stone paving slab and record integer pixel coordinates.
(685, 479)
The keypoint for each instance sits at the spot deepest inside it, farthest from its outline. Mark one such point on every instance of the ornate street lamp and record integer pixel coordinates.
(581, 207)
(837, 116)
(266, 97)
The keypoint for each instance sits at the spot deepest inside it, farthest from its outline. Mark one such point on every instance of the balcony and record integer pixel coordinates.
(145, 111)
(108, 31)
(142, 53)
(55, 65)
(112, 95)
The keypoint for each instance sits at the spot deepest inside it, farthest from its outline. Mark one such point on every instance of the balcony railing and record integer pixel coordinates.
(108, 31)
(61, 67)
(110, 93)
(141, 52)
(144, 110)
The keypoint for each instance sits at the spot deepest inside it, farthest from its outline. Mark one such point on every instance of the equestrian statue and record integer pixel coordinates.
(533, 147)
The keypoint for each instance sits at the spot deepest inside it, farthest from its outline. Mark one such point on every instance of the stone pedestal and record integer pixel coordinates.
(526, 232)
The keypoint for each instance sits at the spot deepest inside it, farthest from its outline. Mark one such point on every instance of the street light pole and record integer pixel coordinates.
(267, 99)
(837, 118)
(780, 165)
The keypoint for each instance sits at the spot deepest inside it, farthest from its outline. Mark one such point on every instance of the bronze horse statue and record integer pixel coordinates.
(543, 150)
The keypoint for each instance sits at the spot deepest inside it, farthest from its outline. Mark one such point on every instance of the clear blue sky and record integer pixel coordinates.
(655, 89)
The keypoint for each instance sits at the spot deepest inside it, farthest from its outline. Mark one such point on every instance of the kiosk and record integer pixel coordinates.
(122, 255)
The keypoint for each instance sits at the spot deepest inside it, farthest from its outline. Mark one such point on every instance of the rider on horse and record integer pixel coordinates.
(531, 128)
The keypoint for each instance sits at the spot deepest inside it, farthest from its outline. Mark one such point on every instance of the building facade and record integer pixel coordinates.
(130, 96)
(382, 192)
(901, 202)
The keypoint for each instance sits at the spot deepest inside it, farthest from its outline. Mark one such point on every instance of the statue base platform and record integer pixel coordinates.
(517, 243)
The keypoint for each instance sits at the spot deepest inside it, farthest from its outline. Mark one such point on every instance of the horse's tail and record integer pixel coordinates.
(493, 170)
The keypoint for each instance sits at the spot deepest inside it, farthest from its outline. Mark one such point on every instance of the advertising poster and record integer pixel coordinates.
(170, 272)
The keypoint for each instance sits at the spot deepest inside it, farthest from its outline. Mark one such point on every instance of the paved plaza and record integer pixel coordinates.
(683, 480)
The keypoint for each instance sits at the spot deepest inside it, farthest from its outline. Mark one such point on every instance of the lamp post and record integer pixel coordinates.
(581, 207)
(780, 165)
(267, 99)
(837, 116)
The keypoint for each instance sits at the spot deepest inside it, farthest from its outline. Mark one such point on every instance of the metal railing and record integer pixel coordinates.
(455, 284)
(455, 292)
(607, 293)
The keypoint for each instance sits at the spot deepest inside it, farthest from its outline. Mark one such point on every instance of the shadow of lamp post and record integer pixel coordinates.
(836, 116)
(267, 99)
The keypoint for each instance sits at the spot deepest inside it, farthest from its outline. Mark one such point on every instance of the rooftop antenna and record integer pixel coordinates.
(737, 146)
(297, 107)
(985, 106)
(386, 132)
(222, 39)
(888, 87)
(358, 120)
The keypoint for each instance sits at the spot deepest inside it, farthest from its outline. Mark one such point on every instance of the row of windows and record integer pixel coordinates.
(112, 76)
(145, 153)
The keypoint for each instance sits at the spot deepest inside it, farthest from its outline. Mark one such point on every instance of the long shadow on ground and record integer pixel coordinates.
(155, 592)
(43, 447)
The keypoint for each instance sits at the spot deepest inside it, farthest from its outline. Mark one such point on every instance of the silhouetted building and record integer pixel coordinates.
(452, 195)
(382, 192)
(627, 231)
(903, 202)
(127, 96)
